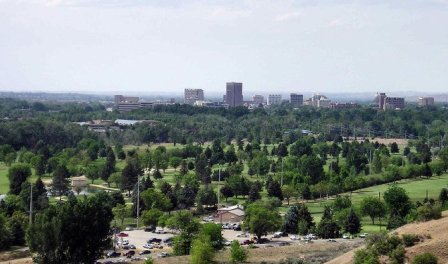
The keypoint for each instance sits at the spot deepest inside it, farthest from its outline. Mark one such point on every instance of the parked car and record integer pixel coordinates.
(242, 235)
(294, 237)
(145, 252)
(363, 235)
(277, 234)
(122, 234)
(237, 227)
(132, 247)
(129, 228)
(227, 243)
(160, 231)
(345, 236)
(154, 240)
(113, 254)
(150, 228)
(130, 253)
(332, 240)
(148, 246)
(162, 255)
(248, 242)
(125, 247)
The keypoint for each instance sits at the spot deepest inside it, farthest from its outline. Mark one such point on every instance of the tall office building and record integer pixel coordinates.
(193, 95)
(258, 99)
(274, 99)
(296, 99)
(234, 94)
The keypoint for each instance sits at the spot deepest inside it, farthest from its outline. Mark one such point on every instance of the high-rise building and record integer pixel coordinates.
(193, 95)
(425, 101)
(274, 99)
(258, 99)
(296, 99)
(234, 94)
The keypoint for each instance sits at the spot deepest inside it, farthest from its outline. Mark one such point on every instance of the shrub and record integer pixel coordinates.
(237, 253)
(428, 212)
(366, 256)
(397, 255)
(410, 239)
(425, 258)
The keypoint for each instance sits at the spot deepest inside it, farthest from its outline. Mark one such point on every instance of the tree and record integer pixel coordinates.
(175, 162)
(156, 200)
(443, 196)
(151, 216)
(17, 175)
(5, 233)
(202, 251)
(327, 227)
(188, 227)
(214, 232)
(288, 191)
(254, 193)
(274, 190)
(73, 232)
(109, 166)
(206, 196)
(260, 220)
(226, 191)
(121, 211)
(38, 163)
(183, 167)
(59, 182)
(129, 175)
(237, 253)
(373, 207)
(290, 224)
(282, 150)
(352, 224)
(397, 201)
(93, 172)
(394, 148)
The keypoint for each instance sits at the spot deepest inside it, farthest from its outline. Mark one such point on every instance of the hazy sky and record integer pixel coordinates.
(160, 46)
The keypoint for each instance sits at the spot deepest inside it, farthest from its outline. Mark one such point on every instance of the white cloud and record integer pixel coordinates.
(288, 16)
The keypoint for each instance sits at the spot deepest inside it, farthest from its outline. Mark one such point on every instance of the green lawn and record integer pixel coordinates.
(4, 182)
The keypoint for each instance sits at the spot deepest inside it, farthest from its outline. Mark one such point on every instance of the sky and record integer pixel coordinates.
(163, 46)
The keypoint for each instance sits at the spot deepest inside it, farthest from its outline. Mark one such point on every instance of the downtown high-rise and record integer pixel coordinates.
(234, 94)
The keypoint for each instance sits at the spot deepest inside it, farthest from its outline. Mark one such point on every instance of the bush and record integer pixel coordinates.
(395, 221)
(366, 256)
(397, 255)
(425, 258)
(237, 253)
(428, 212)
(410, 239)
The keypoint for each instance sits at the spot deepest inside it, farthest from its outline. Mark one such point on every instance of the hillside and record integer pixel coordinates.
(437, 230)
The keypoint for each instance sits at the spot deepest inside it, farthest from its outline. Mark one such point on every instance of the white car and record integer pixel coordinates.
(242, 235)
(160, 231)
(345, 236)
(294, 237)
(148, 246)
(363, 235)
(162, 255)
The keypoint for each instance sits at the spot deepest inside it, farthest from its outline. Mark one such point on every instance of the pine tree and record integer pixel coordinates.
(352, 224)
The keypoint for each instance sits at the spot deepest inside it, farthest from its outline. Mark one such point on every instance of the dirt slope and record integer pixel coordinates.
(436, 244)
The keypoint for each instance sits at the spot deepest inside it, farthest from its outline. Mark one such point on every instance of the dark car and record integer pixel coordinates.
(150, 228)
(145, 252)
(130, 253)
(154, 240)
(113, 254)
(248, 242)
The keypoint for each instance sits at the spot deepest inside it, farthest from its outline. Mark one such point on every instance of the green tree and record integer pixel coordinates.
(260, 221)
(288, 191)
(183, 167)
(59, 182)
(274, 190)
(130, 174)
(394, 147)
(443, 196)
(5, 233)
(206, 196)
(17, 175)
(154, 199)
(121, 211)
(93, 172)
(202, 251)
(327, 227)
(226, 191)
(373, 207)
(237, 253)
(188, 227)
(175, 162)
(73, 232)
(352, 224)
(151, 216)
(214, 232)
(397, 201)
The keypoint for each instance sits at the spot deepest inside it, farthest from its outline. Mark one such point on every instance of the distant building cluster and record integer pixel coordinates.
(384, 102)
(191, 96)
(319, 101)
(425, 101)
(129, 103)
(101, 126)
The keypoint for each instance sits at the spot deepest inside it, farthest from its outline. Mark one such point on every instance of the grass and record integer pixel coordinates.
(4, 182)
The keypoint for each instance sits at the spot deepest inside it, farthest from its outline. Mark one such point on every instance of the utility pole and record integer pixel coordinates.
(31, 203)
(138, 198)
(219, 182)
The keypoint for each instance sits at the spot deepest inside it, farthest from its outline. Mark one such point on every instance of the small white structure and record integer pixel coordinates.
(80, 181)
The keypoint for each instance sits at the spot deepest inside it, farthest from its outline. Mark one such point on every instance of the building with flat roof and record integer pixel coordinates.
(296, 99)
(193, 95)
(393, 103)
(274, 99)
(258, 99)
(425, 101)
(234, 94)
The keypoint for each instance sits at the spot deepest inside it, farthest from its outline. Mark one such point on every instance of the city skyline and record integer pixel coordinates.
(136, 47)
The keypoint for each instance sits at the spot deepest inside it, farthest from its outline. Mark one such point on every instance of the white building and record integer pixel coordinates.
(274, 99)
